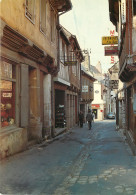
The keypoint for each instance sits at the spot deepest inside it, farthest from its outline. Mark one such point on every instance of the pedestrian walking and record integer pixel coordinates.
(93, 116)
(81, 118)
(89, 118)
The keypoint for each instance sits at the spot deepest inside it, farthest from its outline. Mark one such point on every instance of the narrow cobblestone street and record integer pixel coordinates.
(80, 162)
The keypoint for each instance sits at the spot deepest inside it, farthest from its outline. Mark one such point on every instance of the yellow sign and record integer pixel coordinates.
(111, 40)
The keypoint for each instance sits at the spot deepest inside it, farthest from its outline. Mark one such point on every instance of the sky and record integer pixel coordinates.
(89, 21)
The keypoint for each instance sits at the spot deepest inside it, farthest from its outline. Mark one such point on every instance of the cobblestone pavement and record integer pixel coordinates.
(82, 162)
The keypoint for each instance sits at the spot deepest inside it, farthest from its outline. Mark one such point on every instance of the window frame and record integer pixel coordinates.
(26, 15)
(41, 30)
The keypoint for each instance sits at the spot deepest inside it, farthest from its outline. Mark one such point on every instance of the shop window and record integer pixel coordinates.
(30, 10)
(7, 88)
(43, 16)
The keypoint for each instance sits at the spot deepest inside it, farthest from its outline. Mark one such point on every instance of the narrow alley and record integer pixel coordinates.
(79, 162)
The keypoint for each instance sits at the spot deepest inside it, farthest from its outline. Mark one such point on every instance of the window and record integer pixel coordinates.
(52, 26)
(30, 9)
(63, 52)
(43, 16)
(7, 88)
(134, 7)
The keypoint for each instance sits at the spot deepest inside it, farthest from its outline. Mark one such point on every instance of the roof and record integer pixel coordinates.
(88, 73)
(94, 70)
(62, 5)
(70, 36)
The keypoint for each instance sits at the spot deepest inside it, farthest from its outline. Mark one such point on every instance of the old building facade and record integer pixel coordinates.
(123, 16)
(87, 90)
(29, 60)
(67, 81)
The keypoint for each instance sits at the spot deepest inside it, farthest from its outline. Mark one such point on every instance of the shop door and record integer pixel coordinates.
(95, 112)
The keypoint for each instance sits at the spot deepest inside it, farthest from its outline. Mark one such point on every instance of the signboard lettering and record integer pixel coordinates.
(108, 40)
(123, 11)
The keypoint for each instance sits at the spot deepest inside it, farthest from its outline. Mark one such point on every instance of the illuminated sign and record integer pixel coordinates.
(109, 40)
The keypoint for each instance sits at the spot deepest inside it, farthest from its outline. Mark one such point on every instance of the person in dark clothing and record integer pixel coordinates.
(81, 119)
(89, 118)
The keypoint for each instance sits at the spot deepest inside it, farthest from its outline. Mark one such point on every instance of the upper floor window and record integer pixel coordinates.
(134, 7)
(30, 10)
(52, 26)
(43, 16)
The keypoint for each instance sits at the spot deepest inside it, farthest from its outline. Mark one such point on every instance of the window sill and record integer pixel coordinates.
(9, 129)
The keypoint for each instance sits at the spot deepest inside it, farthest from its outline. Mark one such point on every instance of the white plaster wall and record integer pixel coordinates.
(97, 96)
(98, 100)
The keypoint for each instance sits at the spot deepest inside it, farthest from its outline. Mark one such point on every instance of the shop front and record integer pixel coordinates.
(25, 88)
(12, 137)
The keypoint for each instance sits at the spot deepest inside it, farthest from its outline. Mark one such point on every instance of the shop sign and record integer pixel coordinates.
(123, 11)
(70, 63)
(111, 50)
(7, 95)
(85, 88)
(109, 40)
(114, 84)
(95, 106)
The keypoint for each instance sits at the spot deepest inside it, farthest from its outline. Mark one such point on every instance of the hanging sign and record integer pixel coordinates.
(109, 40)
(111, 50)
(70, 63)
(123, 11)
(114, 84)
